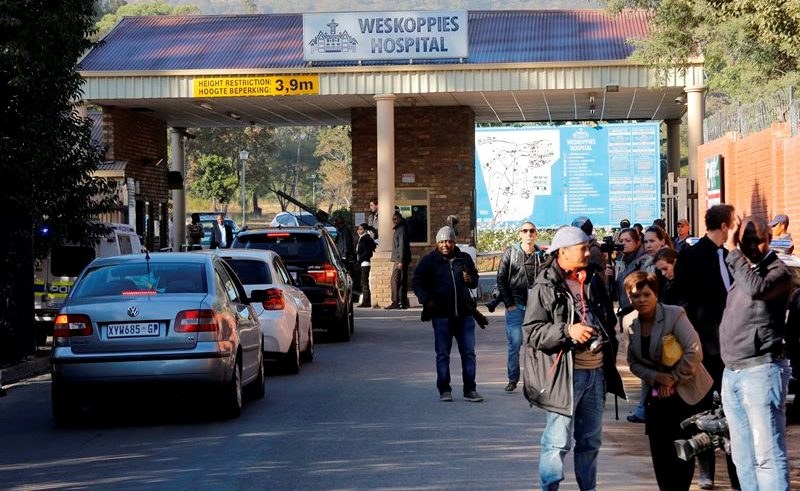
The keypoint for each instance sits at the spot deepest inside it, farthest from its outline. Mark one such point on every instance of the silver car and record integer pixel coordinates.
(286, 316)
(161, 320)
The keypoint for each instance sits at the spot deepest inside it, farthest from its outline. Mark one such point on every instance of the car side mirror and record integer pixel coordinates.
(258, 296)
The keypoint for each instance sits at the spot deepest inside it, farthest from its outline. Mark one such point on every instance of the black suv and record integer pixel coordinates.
(310, 256)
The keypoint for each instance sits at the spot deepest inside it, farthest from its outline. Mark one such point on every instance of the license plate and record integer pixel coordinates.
(132, 330)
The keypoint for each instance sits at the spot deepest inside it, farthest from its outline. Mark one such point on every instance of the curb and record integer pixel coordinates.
(31, 367)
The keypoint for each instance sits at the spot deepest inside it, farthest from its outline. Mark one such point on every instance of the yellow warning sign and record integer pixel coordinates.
(256, 86)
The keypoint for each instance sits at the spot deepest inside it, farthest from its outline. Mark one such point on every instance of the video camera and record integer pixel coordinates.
(608, 246)
(712, 432)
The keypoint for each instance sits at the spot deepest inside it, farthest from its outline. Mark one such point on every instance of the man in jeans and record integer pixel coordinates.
(441, 282)
(570, 358)
(756, 375)
(518, 269)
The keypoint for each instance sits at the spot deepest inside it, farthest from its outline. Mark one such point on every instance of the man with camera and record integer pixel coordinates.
(756, 375)
(519, 266)
(570, 355)
(441, 282)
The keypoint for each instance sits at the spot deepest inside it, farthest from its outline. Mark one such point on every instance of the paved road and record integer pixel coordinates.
(364, 415)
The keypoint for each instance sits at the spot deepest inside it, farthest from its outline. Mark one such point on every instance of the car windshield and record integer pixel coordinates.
(250, 271)
(131, 278)
(289, 246)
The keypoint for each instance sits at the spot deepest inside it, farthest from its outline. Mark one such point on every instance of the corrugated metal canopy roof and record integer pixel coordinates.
(528, 66)
(214, 42)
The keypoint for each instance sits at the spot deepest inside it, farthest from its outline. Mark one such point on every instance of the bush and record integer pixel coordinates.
(496, 240)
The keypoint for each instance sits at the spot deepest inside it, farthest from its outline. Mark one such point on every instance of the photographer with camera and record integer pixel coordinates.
(441, 282)
(519, 266)
(664, 351)
(756, 374)
(570, 358)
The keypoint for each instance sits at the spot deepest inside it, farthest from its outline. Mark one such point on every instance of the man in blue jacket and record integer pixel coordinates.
(441, 282)
(756, 375)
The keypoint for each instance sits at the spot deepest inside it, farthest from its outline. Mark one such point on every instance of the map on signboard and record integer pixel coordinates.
(516, 167)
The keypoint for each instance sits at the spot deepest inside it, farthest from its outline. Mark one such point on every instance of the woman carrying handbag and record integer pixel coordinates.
(664, 351)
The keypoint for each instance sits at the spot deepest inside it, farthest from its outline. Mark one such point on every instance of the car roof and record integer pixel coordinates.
(161, 257)
(261, 254)
(294, 230)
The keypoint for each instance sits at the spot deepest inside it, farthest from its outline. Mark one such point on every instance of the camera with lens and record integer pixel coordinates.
(495, 301)
(712, 432)
(595, 344)
(608, 246)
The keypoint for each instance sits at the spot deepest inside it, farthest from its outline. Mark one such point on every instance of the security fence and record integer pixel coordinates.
(745, 119)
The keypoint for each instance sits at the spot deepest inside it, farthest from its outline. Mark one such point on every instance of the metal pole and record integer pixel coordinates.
(243, 194)
(243, 155)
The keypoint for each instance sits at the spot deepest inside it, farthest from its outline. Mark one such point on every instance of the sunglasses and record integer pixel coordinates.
(527, 231)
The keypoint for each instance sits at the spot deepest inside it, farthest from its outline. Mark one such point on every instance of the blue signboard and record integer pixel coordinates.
(550, 175)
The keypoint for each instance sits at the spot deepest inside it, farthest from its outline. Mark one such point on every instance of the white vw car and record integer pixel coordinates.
(286, 314)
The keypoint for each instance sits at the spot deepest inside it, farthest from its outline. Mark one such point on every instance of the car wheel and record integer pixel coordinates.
(65, 409)
(258, 387)
(352, 320)
(231, 399)
(307, 356)
(291, 359)
(345, 328)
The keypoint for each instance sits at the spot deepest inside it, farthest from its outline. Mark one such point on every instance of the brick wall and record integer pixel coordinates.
(437, 145)
(760, 173)
(141, 141)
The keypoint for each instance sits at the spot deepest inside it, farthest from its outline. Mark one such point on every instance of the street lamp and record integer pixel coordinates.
(243, 155)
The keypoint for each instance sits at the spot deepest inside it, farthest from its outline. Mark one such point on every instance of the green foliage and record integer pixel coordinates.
(749, 47)
(496, 240)
(259, 142)
(157, 7)
(213, 177)
(334, 146)
(47, 143)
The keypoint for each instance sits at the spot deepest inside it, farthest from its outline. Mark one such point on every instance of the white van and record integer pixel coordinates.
(53, 276)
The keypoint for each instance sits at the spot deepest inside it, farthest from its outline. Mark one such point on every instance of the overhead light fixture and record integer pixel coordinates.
(612, 88)
(235, 116)
(591, 99)
(206, 106)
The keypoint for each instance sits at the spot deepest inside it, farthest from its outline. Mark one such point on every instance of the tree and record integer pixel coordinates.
(46, 155)
(213, 177)
(335, 147)
(157, 7)
(258, 141)
(749, 47)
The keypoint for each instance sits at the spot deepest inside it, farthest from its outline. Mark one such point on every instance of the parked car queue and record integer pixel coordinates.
(204, 321)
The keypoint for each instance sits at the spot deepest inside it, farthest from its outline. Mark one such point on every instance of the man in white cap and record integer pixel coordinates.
(441, 282)
(570, 358)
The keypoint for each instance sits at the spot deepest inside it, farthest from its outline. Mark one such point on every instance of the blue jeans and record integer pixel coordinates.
(586, 425)
(514, 335)
(754, 400)
(444, 330)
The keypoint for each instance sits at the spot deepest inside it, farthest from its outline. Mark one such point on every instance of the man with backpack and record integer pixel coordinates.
(519, 266)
